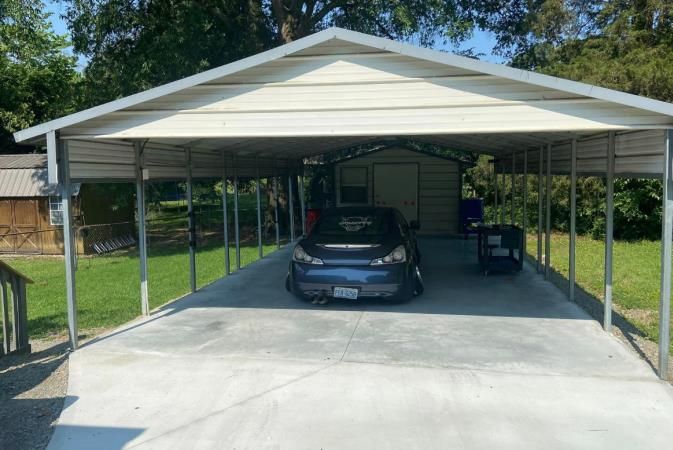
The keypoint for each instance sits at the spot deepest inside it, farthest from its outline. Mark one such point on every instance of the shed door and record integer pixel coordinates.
(19, 226)
(396, 185)
(26, 225)
(6, 226)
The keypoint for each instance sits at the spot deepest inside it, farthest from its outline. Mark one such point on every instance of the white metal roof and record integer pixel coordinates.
(335, 38)
(341, 88)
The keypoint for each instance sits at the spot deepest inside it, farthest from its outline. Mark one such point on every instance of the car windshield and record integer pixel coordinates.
(372, 222)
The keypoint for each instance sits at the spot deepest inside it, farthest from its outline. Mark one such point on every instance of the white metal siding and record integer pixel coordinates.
(439, 184)
(361, 95)
(637, 153)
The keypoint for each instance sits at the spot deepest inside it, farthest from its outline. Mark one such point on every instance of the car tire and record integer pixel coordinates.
(419, 287)
(287, 283)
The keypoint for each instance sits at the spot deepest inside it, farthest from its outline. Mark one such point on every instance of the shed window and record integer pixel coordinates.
(354, 185)
(55, 210)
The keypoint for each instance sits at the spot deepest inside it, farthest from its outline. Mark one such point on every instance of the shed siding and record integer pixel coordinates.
(438, 190)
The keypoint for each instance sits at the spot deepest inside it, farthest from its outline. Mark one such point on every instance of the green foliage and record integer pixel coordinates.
(625, 45)
(637, 213)
(133, 46)
(38, 82)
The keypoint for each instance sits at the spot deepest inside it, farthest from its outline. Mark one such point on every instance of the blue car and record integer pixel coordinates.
(357, 253)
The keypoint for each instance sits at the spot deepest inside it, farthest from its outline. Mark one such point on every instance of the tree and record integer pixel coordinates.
(135, 45)
(426, 20)
(622, 44)
(38, 80)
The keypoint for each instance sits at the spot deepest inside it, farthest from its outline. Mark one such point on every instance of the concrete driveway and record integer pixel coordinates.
(476, 363)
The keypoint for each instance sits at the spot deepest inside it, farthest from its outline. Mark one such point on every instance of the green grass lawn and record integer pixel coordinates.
(635, 275)
(108, 286)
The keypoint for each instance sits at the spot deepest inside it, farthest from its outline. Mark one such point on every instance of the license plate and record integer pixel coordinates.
(344, 292)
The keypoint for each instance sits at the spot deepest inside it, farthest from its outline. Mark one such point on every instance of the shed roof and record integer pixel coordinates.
(399, 145)
(25, 176)
(23, 161)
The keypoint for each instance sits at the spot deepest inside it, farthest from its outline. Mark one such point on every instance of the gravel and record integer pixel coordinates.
(32, 390)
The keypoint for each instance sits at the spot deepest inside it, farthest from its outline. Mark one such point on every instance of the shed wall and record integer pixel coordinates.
(438, 186)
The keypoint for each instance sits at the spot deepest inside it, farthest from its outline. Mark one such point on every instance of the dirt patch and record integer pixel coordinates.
(32, 390)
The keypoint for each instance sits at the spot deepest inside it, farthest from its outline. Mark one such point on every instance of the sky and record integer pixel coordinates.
(481, 41)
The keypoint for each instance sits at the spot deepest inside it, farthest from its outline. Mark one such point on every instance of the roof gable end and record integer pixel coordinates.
(355, 43)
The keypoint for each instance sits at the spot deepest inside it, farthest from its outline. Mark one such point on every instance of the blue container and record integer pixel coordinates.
(471, 212)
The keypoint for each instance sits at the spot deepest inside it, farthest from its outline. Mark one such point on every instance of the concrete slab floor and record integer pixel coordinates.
(476, 362)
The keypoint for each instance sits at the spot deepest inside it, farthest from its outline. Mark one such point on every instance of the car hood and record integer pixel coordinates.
(349, 250)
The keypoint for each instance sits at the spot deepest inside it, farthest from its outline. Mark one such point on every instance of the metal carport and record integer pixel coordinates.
(337, 89)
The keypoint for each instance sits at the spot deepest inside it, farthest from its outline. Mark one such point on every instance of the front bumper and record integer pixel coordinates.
(391, 281)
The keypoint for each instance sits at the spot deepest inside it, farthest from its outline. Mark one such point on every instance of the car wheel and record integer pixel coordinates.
(287, 283)
(418, 283)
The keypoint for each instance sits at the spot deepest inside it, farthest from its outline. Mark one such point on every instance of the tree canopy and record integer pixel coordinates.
(37, 79)
(134, 45)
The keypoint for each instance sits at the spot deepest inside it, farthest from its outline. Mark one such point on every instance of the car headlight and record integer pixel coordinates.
(300, 255)
(399, 255)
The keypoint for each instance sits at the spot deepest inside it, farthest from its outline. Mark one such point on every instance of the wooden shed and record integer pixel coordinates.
(31, 211)
(422, 185)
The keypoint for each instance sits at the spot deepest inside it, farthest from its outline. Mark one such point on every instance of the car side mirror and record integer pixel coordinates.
(415, 225)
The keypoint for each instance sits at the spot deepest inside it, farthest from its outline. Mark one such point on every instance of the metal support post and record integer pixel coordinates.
(260, 250)
(573, 214)
(504, 194)
(302, 206)
(237, 234)
(68, 244)
(142, 232)
(512, 200)
(495, 190)
(547, 239)
(609, 230)
(275, 208)
(524, 207)
(290, 206)
(539, 211)
(191, 224)
(666, 243)
(225, 217)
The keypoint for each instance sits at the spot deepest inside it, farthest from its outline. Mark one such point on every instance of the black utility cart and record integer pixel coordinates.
(499, 247)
